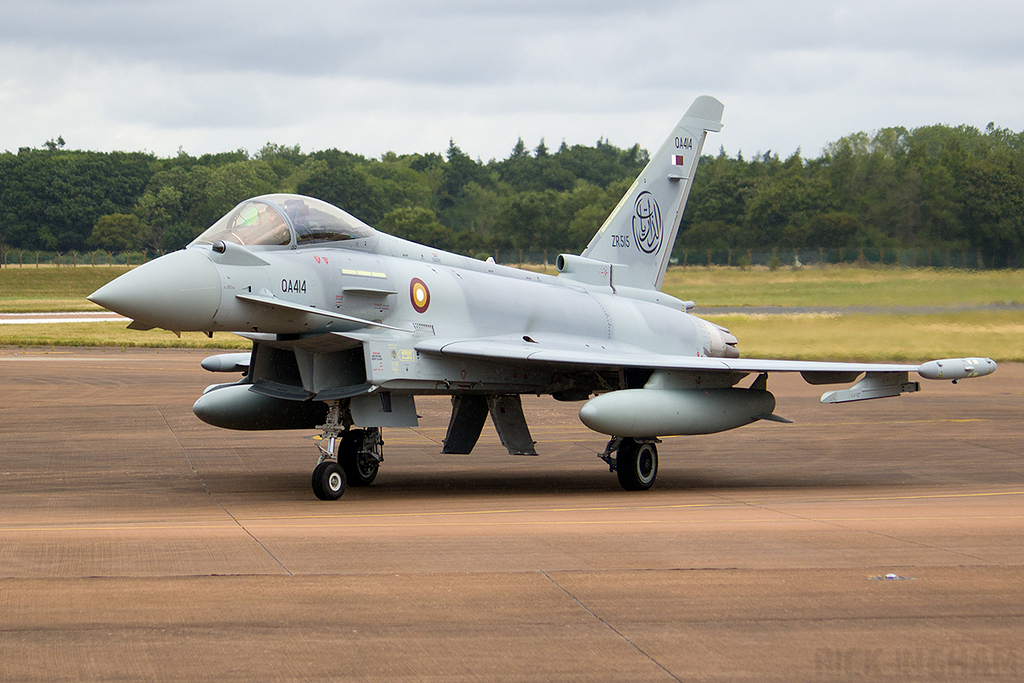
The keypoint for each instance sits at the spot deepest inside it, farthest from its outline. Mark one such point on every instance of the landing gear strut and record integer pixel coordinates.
(360, 455)
(635, 461)
(350, 456)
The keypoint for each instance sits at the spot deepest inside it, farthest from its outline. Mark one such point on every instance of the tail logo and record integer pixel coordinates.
(647, 228)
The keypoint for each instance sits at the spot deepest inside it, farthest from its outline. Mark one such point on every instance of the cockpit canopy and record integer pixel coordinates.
(285, 220)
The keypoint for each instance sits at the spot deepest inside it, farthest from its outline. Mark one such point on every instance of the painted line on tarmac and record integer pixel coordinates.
(406, 519)
(24, 358)
(630, 508)
(58, 318)
(250, 526)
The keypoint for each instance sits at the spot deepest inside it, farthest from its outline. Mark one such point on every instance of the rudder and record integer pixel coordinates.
(638, 236)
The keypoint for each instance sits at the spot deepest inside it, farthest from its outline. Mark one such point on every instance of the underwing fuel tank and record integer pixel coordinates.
(670, 412)
(234, 406)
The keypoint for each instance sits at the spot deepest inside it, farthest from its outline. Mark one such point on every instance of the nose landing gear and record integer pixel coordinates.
(360, 455)
(351, 456)
(328, 481)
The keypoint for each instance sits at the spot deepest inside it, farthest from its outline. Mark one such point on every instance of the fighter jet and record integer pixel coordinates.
(348, 325)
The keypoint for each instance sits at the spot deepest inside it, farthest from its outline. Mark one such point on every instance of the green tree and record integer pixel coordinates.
(159, 211)
(530, 220)
(284, 160)
(232, 183)
(993, 209)
(586, 208)
(417, 224)
(779, 208)
(349, 188)
(400, 184)
(459, 171)
(117, 232)
(717, 207)
(51, 199)
(476, 214)
(518, 151)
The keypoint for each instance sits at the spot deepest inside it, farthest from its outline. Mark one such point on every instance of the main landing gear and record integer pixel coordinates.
(635, 461)
(351, 456)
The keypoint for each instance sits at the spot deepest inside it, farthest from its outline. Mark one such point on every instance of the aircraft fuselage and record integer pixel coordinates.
(407, 293)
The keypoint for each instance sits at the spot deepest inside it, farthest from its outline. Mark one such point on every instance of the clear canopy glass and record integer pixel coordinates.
(285, 220)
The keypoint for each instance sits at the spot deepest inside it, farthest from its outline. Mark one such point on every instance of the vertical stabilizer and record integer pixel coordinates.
(640, 232)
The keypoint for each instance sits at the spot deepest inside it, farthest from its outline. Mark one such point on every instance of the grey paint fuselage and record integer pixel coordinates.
(468, 298)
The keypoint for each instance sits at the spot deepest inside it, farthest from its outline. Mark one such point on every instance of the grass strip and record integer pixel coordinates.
(879, 337)
(112, 333)
(876, 337)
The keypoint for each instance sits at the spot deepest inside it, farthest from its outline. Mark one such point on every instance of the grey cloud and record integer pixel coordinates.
(796, 73)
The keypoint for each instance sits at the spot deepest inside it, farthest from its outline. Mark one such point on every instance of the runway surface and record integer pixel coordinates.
(137, 543)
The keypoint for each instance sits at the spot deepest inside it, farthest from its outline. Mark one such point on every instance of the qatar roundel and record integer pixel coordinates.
(419, 294)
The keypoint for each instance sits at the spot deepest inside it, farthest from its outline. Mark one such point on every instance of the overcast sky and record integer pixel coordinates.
(407, 76)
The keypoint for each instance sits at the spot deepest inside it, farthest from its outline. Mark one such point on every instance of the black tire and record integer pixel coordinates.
(360, 468)
(636, 465)
(328, 481)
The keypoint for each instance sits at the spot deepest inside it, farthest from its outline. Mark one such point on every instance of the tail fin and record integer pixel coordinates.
(640, 232)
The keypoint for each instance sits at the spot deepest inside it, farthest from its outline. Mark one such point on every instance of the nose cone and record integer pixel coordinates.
(178, 292)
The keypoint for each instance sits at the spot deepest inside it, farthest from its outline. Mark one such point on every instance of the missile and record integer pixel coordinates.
(667, 412)
(227, 362)
(234, 406)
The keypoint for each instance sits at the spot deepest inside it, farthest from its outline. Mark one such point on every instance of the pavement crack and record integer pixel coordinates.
(839, 525)
(214, 498)
(610, 627)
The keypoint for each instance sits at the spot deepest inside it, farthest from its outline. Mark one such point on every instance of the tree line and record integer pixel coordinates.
(939, 188)
(936, 187)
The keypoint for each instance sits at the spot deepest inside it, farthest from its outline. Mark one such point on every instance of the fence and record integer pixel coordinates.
(784, 258)
(25, 258)
(904, 258)
(741, 258)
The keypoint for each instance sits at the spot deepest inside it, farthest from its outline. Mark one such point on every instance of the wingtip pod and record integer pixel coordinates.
(957, 368)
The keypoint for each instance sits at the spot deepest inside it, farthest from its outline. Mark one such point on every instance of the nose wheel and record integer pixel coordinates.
(347, 456)
(328, 481)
